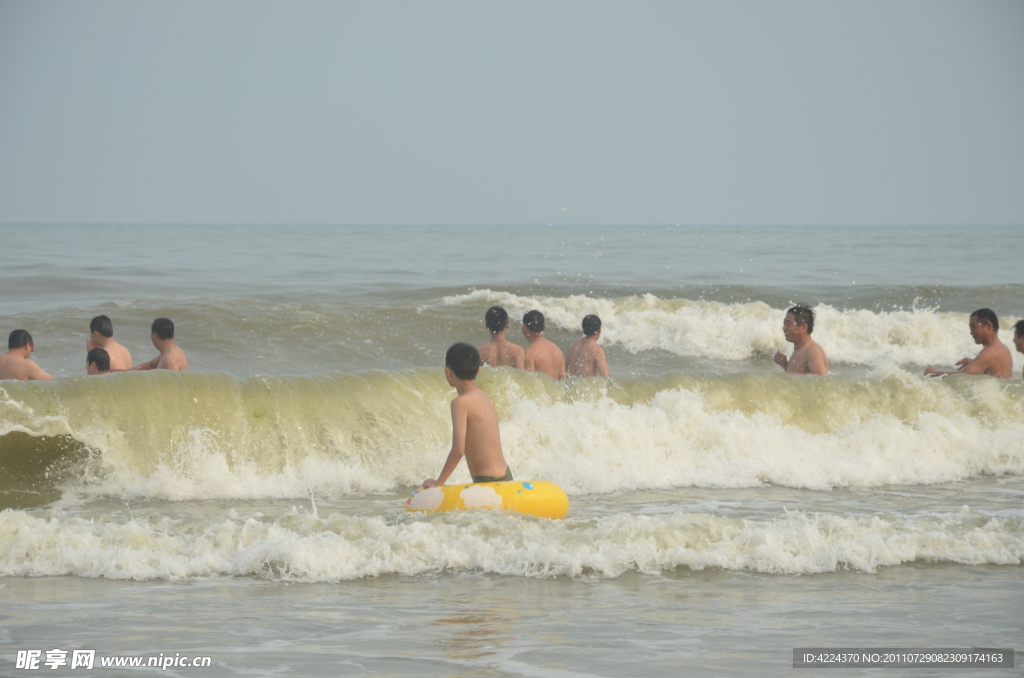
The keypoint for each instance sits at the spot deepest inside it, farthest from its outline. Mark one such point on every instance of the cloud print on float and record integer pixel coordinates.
(512, 113)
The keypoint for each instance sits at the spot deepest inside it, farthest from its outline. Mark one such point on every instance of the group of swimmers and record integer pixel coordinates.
(104, 355)
(475, 432)
(586, 358)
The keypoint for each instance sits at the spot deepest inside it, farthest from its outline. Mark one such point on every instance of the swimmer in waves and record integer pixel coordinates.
(475, 434)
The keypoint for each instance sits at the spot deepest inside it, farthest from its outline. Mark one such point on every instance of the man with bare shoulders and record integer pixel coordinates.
(101, 335)
(475, 433)
(500, 351)
(171, 356)
(586, 358)
(994, 359)
(541, 355)
(1018, 338)
(15, 363)
(808, 357)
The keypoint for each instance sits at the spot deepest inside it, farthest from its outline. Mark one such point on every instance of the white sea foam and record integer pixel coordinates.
(340, 547)
(716, 330)
(734, 431)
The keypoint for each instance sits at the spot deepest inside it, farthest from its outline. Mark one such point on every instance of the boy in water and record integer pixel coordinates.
(994, 359)
(101, 335)
(586, 358)
(499, 350)
(474, 422)
(171, 356)
(97, 362)
(808, 357)
(542, 355)
(15, 363)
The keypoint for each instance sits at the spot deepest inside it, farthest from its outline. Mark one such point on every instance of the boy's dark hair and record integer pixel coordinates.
(496, 319)
(535, 321)
(803, 316)
(102, 326)
(464, 360)
(591, 325)
(19, 339)
(987, 315)
(1018, 329)
(163, 328)
(100, 358)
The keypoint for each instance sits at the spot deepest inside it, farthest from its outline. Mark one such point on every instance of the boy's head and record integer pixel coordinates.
(534, 321)
(496, 319)
(102, 326)
(591, 325)
(463, 360)
(1018, 335)
(163, 328)
(20, 339)
(97, 361)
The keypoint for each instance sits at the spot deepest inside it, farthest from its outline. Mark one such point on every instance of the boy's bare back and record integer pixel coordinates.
(543, 356)
(586, 359)
(499, 352)
(475, 434)
(475, 412)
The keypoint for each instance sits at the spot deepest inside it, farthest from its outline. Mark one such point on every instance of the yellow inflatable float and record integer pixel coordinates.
(534, 497)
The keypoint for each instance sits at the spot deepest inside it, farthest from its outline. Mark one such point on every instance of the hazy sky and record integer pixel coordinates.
(512, 113)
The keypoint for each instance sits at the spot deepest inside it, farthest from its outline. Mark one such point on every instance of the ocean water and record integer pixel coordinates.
(252, 509)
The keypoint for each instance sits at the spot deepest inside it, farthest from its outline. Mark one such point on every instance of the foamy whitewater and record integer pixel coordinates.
(316, 402)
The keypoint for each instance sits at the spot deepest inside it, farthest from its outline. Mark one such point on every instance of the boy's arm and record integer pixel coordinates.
(519, 359)
(459, 420)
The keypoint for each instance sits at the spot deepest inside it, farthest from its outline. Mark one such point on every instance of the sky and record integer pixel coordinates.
(492, 113)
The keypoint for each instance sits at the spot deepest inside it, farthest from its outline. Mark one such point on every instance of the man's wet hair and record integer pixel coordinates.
(534, 320)
(1018, 329)
(102, 326)
(803, 315)
(163, 328)
(19, 339)
(496, 319)
(464, 360)
(987, 315)
(591, 325)
(100, 358)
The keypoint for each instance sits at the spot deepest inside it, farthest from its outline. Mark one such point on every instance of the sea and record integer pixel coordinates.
(252, 510)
